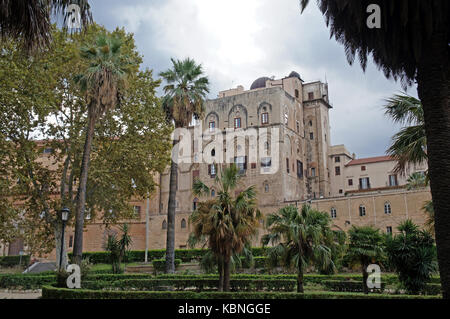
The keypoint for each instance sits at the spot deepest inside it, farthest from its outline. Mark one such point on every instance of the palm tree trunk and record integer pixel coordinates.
(433, 80)
(170, 241)
(81, 195)
(226, 274)
(365, 276)
(220, 268)
(300, 288)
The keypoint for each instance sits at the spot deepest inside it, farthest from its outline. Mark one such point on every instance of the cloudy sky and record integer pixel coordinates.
(238, 41)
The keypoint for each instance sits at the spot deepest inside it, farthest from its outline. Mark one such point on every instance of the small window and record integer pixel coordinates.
(387, 208)
(212, 126)
(311, 136)
(194, 204)
(265, 118)
(389, 230)
(362, 210)
(237, 122)
(266, 187)
(213, 152)
(253, 165)
(393, 180)
(337, 170)
(311, 96)
(363, 168)
(164, 225)
(350, 182)
(137, 211)
(287, 165)
(48, 150)
(266, 161)
(337, 159)
(298, 127)
(310, 123)
(364, 183)
(313, 172)
(241, 163)
(297, 93)
(299, 169)
(183, 223)
(213, 193)
(286, 118)
(333, 213)
(70, 241)
(341, 191)
(212, 170)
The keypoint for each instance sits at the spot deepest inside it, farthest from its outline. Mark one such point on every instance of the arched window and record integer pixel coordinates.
(213, 192)
(194, 204)
(266, 187)
(183, 223)
(164, 224)
(333, 213)
(387, 208)
(213, 152)
(362, 210)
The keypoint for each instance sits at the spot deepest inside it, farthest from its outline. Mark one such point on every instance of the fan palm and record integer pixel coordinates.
(300, 238)
(227, 223)
(185, 93)
(416, 180)
(429, 210)
(410, 144)
(411, 45)
(366, 246)
(30, 21)
(105, 75)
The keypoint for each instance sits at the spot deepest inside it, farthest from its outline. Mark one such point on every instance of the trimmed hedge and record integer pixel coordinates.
(348, 286)
(186, 255)
(62, 293)
(25, 281)
(11, 261)
(197, 284)
(160, 264)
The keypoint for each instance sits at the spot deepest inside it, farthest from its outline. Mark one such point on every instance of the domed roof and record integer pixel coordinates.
(259, 83)
(294, 74)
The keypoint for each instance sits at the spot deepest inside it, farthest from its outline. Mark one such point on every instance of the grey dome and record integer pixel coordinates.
(294, 74)
(259, 83)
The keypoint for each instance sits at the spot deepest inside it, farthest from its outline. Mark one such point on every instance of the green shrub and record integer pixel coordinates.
(160, 264)
(11, 261)
(19, 281)
(348, 286)
(60, 293)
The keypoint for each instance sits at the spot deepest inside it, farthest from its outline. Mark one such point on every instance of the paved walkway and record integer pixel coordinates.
(14, 294)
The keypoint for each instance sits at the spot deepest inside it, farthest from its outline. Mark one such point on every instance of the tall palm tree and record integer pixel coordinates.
(300, 238)
(185, 91)
(409, 146)
(107, 71)
(411, 45)
(30, 21)
(366, 246)
(226, 223)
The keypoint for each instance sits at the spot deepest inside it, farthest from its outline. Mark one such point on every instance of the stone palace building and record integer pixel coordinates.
(278, 134)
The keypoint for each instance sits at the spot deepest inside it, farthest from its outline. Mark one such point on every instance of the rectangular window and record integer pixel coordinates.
(311, 96)
(137, 211)
(350, 182)
(393, 180)
(212, 126)
(212, 170)
(311, 136)
(337, 170)
(299, 169)
(287, 165)
(298, 127)
(265, 118)
(237, 122)
(253, 165)
(48, 150)
(70, 241)
(266, 161)
(364, 183)
(286, 118)
(313, 172)
(241, 163)
(389, 229)
(337, 159)
(363, 168)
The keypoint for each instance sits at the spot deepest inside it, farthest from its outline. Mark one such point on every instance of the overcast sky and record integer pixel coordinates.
(238, 41)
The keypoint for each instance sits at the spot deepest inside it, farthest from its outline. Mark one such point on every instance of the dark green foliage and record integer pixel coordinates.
(160, 264)
(348, 286)
(413, 255)
(11, 261)
(55, 293)
(118, 248)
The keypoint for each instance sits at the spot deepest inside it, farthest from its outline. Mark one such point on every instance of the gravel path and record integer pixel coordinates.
(15, 294)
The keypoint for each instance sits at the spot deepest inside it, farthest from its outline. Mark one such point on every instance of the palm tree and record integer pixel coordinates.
(185, 91)
(416, 180)
(301, 238)
(410, 144)
(366, 246)
(429, 210)
(102, 81)
(30, 21)
(411, 45)
(226, 223)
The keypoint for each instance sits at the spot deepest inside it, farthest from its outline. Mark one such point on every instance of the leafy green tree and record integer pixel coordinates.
(30, 21)
(366, 246)
(102, 82)
(412, 254)
(118, 247)
(185, 93)
(300, 239)
(409, 146)
(411, 45)
(416, 180)
(226, 223)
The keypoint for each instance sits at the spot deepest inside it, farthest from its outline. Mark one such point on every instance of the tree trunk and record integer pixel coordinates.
(300, 288)
(58, 233)
(433, 80)
(170, 242)
(226, 274)
(365, 276)
(81, 194)
(220, 268)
